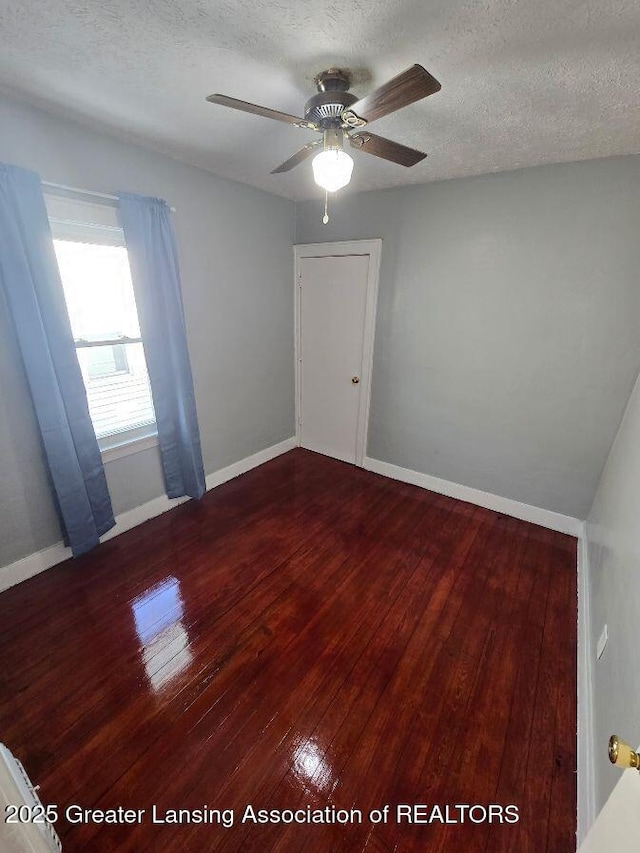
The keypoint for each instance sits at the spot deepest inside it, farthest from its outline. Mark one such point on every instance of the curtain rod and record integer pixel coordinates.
(79, 191)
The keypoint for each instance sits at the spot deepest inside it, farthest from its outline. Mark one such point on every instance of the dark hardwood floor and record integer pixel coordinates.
(309, 634)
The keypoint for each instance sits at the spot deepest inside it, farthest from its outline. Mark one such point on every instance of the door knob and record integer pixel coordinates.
(355, 379)
(621, 754)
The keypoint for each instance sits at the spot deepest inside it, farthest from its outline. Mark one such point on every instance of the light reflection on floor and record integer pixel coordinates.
(158, 614)
(310, 766)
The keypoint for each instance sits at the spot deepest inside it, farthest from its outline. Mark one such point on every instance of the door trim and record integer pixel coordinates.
(372, 248)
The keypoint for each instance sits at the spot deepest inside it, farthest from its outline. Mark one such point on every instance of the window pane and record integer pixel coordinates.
(98, 290)
(105, 361)
(101, 304)
(119, 399)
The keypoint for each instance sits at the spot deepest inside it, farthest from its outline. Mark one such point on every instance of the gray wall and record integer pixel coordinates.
(613, 532)
(235, 255)
(507, 333)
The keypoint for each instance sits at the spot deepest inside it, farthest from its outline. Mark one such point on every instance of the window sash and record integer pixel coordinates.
(106, 342)
(120, 402)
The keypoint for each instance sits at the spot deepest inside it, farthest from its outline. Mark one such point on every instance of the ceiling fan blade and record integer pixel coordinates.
(299, 157)
(256, 109)
(412, 85)
(385, 148)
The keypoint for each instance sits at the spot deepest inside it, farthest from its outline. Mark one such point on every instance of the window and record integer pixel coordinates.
(94, 268)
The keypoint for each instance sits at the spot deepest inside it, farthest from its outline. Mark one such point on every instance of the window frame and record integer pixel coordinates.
(66, 224)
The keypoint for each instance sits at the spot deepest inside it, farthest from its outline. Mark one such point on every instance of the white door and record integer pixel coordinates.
(333, 306)
(617, 827)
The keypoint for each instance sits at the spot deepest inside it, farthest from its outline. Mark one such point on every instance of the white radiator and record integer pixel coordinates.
(23, 828)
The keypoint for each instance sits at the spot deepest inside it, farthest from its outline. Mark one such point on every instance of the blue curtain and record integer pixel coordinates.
(31, 283)
(156, 281)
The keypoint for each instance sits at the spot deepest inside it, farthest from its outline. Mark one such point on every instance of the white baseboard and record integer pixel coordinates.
(33, 564)
(586, 769)
(506, 506)
(244, 465)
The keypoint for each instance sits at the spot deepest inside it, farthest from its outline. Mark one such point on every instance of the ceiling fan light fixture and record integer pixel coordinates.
(332, 169)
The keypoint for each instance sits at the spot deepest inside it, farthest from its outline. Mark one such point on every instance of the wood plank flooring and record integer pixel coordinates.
(308, 635)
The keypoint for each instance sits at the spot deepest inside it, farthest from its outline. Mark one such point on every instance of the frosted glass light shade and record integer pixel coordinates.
(332, 169)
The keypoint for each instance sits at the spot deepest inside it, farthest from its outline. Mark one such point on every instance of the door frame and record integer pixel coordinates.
(372, 248)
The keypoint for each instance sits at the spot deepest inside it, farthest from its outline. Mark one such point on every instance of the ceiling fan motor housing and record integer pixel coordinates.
(325, 109)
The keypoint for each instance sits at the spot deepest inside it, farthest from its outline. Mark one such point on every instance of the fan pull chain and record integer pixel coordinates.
(325, 218)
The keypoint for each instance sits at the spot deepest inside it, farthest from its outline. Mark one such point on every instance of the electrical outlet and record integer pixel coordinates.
(602, 642)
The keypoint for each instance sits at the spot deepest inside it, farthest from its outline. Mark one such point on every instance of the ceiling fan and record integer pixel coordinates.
(340, 116)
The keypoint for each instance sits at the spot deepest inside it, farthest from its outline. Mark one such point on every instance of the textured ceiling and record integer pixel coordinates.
(523, 81)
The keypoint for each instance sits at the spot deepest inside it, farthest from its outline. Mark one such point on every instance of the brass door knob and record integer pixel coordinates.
(621, 754)
(355, 379)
